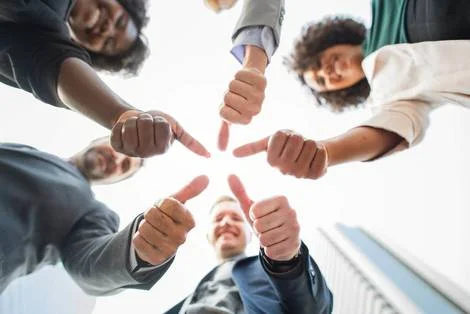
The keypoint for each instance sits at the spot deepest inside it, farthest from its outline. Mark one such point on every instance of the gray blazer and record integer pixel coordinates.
(262, 13)
(48, 214)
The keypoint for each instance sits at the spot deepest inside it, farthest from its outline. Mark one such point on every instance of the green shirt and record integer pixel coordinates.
(388, 25)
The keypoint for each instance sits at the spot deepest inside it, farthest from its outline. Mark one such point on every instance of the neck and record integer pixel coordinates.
(222, 258)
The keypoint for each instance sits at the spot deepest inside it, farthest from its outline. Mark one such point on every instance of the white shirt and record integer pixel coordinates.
(409, 80)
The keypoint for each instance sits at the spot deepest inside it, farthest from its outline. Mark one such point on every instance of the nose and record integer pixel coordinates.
(107, 28)
(225, 221)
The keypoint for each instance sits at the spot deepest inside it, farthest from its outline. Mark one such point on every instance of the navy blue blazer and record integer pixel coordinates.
(264, 292)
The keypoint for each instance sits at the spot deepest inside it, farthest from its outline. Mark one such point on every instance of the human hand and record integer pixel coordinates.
(242, 101)
(144, 134)
(273, 221)
(166, 224)
(291, 153)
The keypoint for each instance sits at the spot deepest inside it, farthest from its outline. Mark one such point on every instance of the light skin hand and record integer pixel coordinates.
(145, 134)
(245, 94)
(273, 221)
(166, 225)
(291, 153)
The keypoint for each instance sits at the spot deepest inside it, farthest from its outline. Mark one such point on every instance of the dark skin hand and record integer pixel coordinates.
(134, 133)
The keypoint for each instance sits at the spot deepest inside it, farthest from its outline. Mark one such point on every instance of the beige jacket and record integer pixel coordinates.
(409, 80)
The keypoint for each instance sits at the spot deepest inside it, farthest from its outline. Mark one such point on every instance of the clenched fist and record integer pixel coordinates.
(273, 221)
(144, 134)
(242, 101)
(166, 224)
(291, 153)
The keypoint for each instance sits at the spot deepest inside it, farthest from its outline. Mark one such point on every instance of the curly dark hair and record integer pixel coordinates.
(130, 61)
(316, 38)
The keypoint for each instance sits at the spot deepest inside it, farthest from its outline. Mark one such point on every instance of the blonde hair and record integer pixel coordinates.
(223, 198)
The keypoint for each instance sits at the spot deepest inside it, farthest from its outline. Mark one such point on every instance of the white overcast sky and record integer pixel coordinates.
(419, 198)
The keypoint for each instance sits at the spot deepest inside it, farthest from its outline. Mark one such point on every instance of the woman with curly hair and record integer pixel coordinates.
(410, 61)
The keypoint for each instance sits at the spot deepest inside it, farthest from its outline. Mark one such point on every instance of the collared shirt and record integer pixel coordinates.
(409, 80)
(218, 294)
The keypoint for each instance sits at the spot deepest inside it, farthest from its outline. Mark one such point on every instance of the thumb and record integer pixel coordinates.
(252, 148)
(192, 189)
(239, 191)
(224, 133)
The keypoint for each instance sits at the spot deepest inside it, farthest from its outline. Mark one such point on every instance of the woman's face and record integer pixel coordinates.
(338, 67)
(102, 26)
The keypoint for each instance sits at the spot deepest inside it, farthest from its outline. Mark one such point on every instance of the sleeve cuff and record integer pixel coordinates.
(288, 271)
(395, 122)
(259, 36)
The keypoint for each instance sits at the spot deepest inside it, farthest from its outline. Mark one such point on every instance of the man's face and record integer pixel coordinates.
(101, 163)
(102, 26)
(228, 230)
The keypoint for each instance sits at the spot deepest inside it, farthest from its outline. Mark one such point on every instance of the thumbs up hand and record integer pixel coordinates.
(273, 221)
(166, 224)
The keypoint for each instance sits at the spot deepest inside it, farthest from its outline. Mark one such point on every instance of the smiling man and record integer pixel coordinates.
(48, 214)
(283, 278)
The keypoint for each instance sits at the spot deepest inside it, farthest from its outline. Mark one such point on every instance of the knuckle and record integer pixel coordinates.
(272, 160)
(282, 200)
(296, 228)
(245, 120)
(263, 240)
(232, 85)
(278, 134)
(257, 225)
(181, 238)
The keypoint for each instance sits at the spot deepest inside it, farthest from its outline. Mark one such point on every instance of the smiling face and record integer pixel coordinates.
(338, 67)
(228, 230)
(102, 26)
(100, 163)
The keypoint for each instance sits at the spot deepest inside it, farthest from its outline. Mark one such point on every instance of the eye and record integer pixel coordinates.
(237, 218)
(320, 81)
(121, 22)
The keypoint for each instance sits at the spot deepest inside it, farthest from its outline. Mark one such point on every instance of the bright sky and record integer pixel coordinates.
(418, 198)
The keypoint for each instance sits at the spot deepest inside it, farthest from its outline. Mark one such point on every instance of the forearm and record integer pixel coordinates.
(256, 58)
(97, 257)
(360, 144)
(80, 88)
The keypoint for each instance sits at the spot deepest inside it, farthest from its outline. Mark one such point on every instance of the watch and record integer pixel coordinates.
(281, 266)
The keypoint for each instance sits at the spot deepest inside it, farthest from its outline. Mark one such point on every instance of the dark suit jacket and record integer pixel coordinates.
(48, 213)
(302, 291)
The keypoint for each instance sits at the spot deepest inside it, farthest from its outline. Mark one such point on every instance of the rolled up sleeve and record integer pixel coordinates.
(409, 119)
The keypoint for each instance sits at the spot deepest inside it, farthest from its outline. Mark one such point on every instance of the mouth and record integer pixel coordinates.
(226, 233)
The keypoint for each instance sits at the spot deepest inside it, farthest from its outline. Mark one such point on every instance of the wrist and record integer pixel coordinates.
(329, 161)
(277, 266)
(255, 58)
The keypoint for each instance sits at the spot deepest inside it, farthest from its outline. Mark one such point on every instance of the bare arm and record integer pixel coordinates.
(133, 132)
(360, 144)
(80, 88)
